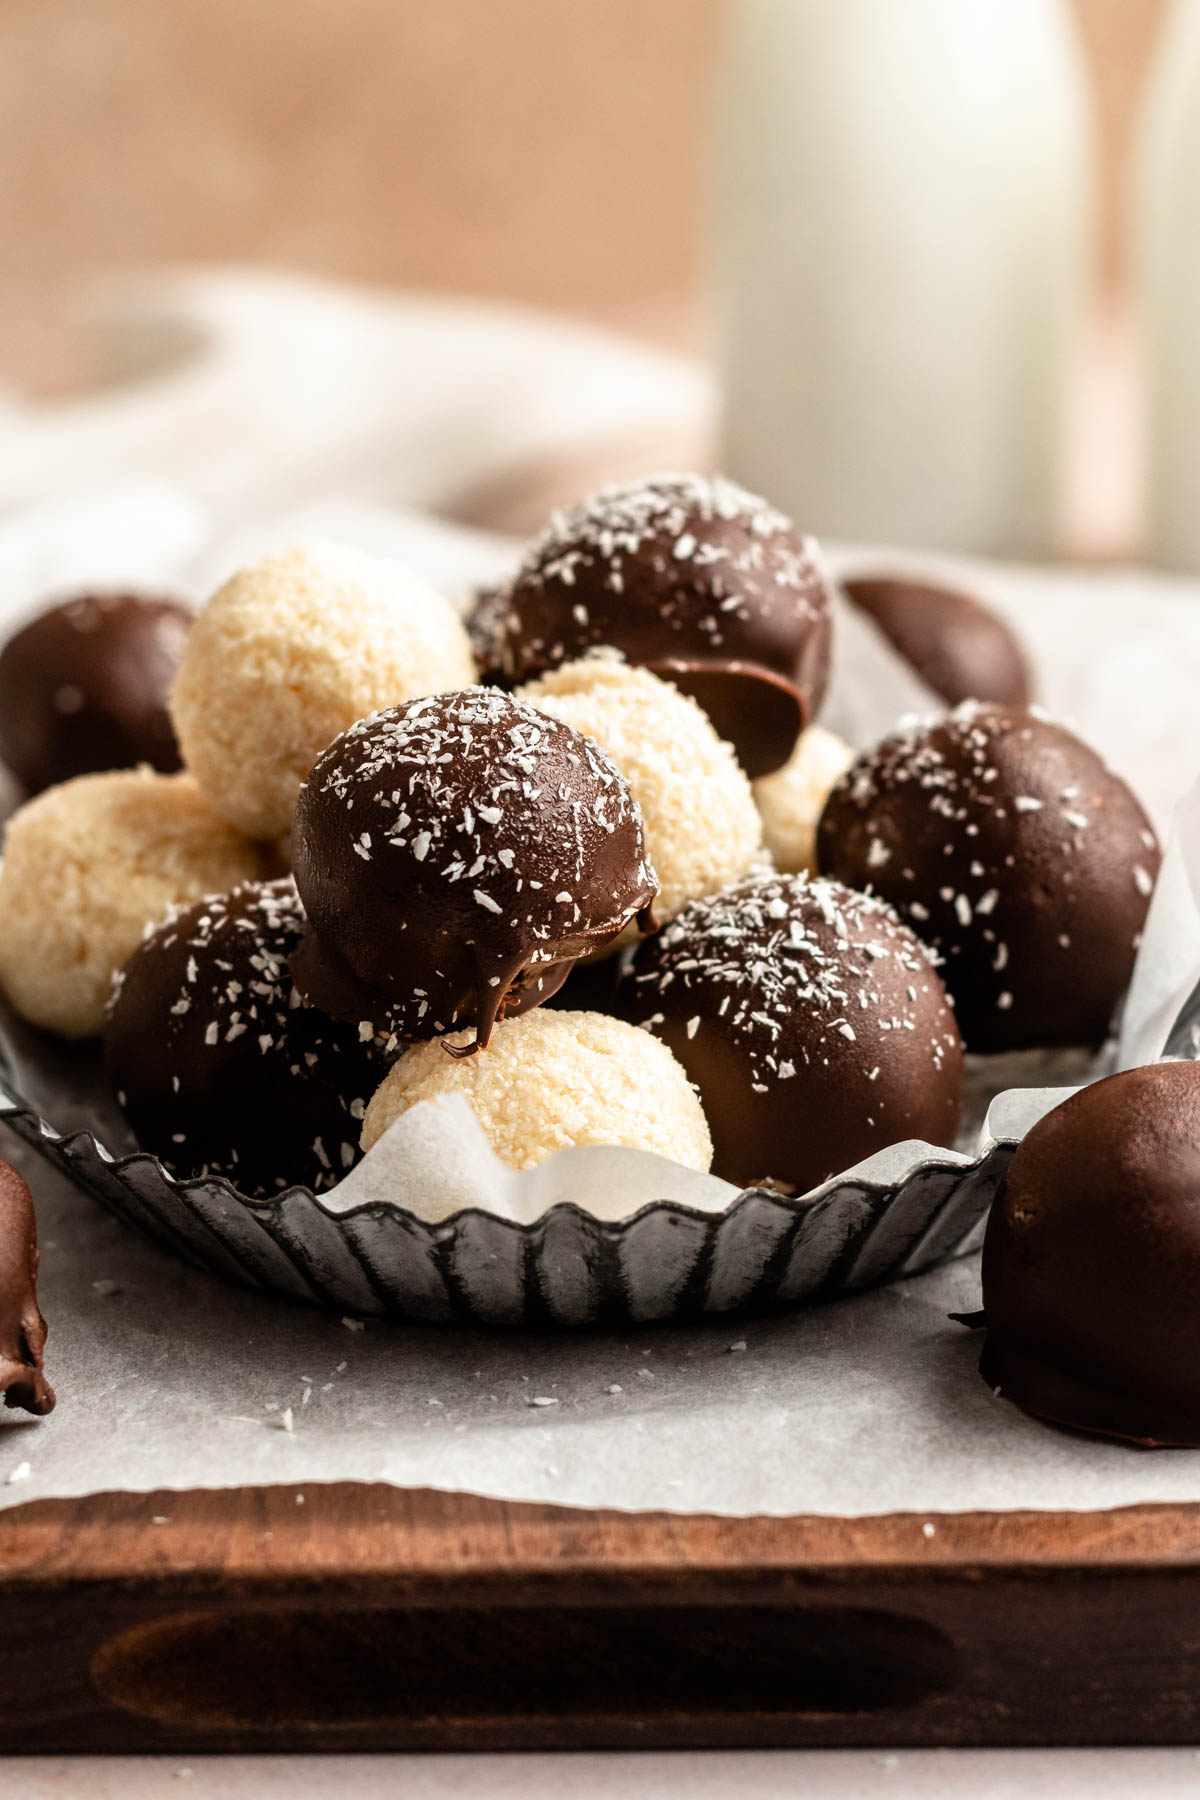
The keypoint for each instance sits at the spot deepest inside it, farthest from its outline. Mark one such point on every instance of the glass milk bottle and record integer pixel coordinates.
(902, 250)
(1167, 245)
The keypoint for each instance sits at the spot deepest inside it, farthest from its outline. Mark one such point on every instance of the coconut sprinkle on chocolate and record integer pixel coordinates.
(778, 950)
(219, 1066)
(1016, 853)
(702, 553)
(448, 850)
(473, 767)
(813, 1022)
(618, 522)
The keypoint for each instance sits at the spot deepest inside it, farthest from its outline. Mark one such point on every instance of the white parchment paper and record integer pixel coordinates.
(169, 1379)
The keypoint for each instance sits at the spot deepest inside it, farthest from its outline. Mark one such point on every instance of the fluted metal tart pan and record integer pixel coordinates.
(665, 1262)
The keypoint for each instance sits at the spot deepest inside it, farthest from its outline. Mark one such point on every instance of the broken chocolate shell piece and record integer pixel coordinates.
(22, 1327)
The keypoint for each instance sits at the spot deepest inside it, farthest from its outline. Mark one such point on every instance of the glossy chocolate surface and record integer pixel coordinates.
(83, 688)
(693, 578)
(22, 1327)
(1091, 1263)
(455, 856)
(811, 1021)
(218, 1067)
(1011, 848)
(957, 645)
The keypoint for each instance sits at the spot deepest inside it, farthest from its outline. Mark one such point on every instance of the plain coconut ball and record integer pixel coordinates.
(702, 828)
(287, 655)
(553, 1080)
(87, 867)
(791, 800)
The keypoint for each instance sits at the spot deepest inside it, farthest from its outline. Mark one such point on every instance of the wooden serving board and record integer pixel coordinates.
(372, 1618)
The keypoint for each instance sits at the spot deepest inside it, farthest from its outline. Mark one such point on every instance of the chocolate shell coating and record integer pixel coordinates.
(1091, 1262)
(455, 856)
(485, 623)
(83, 688)
(591, 984)
(22, 1327)
(956, 644)
(811, 1021)
(1009, 846)
(692, 578)
(218, 1067)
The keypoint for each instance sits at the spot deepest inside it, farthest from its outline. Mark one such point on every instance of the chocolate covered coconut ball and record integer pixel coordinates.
(83, 687)
(1011, 848)
(553, 1081)
(957, 645)
(790, 801)
(693, 578)
(219, 1067)
(702, 829)
(87, 866)
(22, 1327)
(455, 856)
(485, 625)
(1091, 1263)
(811, 1021)
(289, 653)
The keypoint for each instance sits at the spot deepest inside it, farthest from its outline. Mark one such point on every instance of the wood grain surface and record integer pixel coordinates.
(443, 148)
(356, 1617)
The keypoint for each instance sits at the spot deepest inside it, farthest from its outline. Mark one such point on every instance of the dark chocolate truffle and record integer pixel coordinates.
(1010, 847)
(455, 856)
(1091, 1263)
(219, 1067)
(812, 1022)
(485, 622)
(694, 579)
(83, 688)
(956, 644)
(22, 1327)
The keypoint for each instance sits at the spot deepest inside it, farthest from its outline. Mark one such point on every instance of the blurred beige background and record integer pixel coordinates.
(546, 151)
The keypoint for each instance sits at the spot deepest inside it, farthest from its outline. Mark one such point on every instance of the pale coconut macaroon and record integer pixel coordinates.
(791, 800)
(552, 1081)
(88, 866)
(702, 828)
(290, 653)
